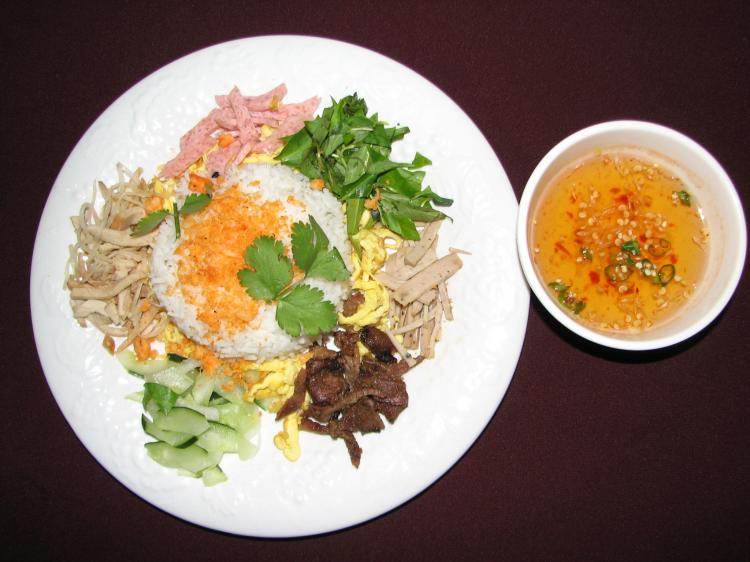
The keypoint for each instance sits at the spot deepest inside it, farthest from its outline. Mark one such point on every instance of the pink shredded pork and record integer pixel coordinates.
(242, 117)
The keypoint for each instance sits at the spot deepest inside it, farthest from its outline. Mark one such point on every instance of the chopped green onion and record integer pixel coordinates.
(632, 247)
(684, 197)
(558, 287)
(565, 298)
(586, 254)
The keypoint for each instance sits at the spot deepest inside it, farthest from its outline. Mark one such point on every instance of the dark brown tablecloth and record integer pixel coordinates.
(592, 455)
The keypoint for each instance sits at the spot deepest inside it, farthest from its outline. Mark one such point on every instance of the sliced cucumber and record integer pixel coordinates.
(177, 377)
(142, 368)
(203, 388)
(219, 438)
(182, 420)
(211, 413)
(191, 458)
(216, 400)
(213, 475)
(174, 438)
(236, 395)
(265, 403)
(246, 449)
(244, 417)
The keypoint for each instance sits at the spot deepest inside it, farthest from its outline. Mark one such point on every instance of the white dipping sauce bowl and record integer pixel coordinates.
(713, 191)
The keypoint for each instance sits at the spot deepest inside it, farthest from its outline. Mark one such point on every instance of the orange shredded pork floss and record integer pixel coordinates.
(212, 247)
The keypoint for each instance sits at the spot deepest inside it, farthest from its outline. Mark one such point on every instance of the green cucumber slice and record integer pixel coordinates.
(174, 438)
(265, 403)
(182, 420)
(219, 438)
(203, 388)
(213, 475)
(245, 417)
(210, 413)
(191, 458)
(142, 368)
(177, 377)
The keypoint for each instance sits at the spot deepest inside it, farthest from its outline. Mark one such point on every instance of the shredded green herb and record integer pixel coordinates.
(194, 202)
(351, 151)
(684, 197)
(566, 298)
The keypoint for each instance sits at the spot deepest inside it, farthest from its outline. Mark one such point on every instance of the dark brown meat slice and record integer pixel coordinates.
(355, 451)
(350, 393)
(345, 339)
(320, 352)
(297, 399)
(372, 368)
(389, 396)
(325, 387)
(324, 414)
(352, 303)
(350, 363)
(361, 417)
(332, 429)
(378, 343)
(316, 365)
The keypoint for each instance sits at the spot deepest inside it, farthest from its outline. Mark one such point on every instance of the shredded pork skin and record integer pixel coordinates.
(108, 268)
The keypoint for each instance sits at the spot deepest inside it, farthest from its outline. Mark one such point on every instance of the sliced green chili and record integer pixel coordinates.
(659, 247)
(618, 272)
(666, 273)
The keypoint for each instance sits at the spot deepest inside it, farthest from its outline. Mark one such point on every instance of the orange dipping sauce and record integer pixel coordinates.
(619, 241)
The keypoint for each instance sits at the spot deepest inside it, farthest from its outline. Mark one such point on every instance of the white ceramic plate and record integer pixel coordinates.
(452, 398)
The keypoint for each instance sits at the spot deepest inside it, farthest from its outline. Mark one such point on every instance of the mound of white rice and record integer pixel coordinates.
(261, 338)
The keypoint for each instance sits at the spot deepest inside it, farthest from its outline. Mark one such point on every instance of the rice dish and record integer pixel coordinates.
(195, 276)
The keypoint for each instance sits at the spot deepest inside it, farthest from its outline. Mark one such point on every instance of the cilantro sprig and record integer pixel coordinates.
(351, 151)
(193, 203)
(301, 309)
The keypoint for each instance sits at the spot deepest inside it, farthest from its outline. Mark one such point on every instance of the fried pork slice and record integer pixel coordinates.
(349, 393)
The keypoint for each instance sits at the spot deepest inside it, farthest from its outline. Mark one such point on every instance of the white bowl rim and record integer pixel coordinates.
(546, 299)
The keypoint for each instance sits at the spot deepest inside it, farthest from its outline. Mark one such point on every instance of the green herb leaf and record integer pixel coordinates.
(176, 217)
(684, 197)
(383, 166)
(398, 223)
(272, 269)
(354, 210)
(303, 311)
(163, 396)
(149, 223)
(350, 151)
(297, 148)
(428, 196)
(420, 161)
(586, 254)
(402, 181)
(330, 266)
(194, 202)
(312, 255)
